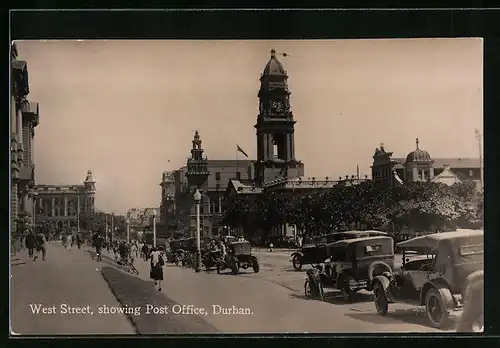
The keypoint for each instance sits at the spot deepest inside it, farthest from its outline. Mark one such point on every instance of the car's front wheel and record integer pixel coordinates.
(255, 266)
(307, 288)
(235, 267)
(380, 299)
(345, 288)
(297, 262)
(436, 310)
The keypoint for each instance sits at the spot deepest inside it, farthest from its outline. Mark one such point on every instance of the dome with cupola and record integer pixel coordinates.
(418, 156)
(274, 66)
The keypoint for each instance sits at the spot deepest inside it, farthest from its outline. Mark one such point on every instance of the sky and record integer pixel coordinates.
(127, 110)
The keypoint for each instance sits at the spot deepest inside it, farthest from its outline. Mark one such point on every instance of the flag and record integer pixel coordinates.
(238, 148)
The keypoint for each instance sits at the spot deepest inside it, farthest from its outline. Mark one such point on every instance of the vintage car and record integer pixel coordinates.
(239, 255)
(434, 274)
(187, 251)
(173, 255)
(351, 266)
(229, 239)
(317, 252)
(211, 258)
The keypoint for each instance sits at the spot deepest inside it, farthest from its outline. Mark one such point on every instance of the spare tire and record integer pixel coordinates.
(377, 268)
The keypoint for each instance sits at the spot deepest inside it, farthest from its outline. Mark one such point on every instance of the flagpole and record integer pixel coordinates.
(237, 161)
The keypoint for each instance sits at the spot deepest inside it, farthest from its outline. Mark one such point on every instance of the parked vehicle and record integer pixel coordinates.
(188, 251)
(176, 251)
(239, 255)
(211, 258)
(352, 265)
(316, 252)
(434, 274)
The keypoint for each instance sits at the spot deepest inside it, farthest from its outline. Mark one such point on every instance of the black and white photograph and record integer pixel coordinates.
(246, 186)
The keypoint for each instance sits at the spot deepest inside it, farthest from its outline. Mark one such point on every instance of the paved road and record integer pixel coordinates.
(67, 277)
(274, 297)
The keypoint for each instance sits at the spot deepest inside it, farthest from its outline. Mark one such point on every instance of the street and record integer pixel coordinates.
(66, 278)
(269, 301)
(275, 299)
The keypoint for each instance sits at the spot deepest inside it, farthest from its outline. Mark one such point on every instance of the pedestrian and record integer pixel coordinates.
(30, 243)
(134, 250)
(65, 241)
(79, 241)
(222, 248)
(156, 272)
(40, 245)
(145, 252)
(98, 241)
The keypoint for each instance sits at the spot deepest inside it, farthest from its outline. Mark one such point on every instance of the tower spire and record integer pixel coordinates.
(417, 141)
(197, 165)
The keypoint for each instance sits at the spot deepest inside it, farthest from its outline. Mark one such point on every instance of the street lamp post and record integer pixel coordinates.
(197, 199)
(154, 228)
(78, 214)
(478, 136)
(128, 229)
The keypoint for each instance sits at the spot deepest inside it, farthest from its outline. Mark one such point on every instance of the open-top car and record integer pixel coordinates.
(239, 255)
(351, 266)
(229, 239)
(434, 274)
(316, 252)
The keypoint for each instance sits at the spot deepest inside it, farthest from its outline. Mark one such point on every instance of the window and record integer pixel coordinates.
(217, 187)
(213, 207)
(369, 249)
(217, 176)
(471, 172)
(466, 250)
(238, 176)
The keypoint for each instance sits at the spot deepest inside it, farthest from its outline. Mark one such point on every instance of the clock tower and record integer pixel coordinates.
(275, 127)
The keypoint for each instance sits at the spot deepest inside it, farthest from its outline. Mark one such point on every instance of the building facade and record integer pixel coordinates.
(210, 177)
(167, 203)
(419, 166)
(66, 207)
(24, 119)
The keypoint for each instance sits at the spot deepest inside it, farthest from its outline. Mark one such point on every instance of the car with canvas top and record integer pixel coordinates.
(434, 274)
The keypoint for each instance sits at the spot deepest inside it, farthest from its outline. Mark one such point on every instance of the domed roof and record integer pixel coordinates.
(274, 66)
(418, 155)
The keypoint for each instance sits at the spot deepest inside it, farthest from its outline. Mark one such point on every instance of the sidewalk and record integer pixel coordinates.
(66, 278)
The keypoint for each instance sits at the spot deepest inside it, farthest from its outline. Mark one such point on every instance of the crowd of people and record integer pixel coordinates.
(127, 252)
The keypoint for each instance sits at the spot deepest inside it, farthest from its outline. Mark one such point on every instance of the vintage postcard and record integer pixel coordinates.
(307, 186)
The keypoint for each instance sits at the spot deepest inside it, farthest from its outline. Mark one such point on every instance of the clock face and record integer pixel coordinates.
(277, 105)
